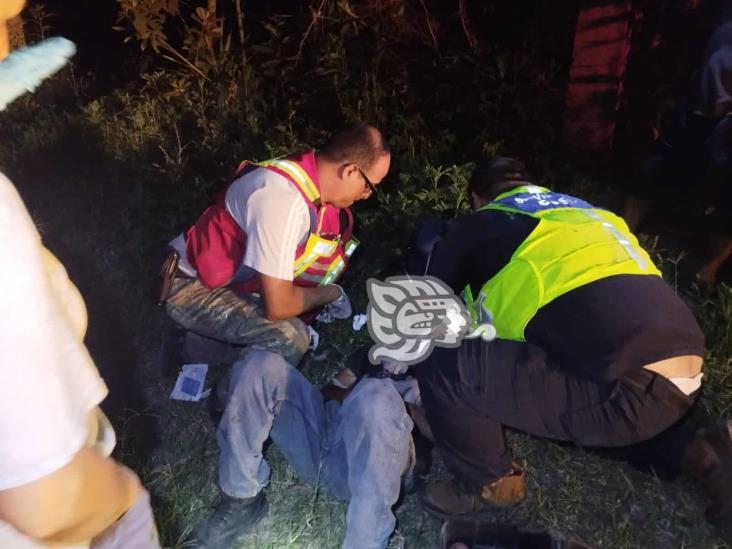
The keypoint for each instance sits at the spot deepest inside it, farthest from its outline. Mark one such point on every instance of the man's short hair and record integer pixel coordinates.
(359, 143)
(496, 175)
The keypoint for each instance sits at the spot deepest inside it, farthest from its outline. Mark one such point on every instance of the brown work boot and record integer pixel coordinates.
(709, 460)
(451, 499)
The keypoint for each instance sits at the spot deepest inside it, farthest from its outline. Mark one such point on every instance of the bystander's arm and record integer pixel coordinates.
(8, 10)
(74, 503)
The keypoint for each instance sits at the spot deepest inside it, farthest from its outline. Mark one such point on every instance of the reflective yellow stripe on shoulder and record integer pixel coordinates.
(299, 176)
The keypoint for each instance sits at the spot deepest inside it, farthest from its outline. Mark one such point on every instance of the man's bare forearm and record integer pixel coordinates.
(306, 299)
(282, 299)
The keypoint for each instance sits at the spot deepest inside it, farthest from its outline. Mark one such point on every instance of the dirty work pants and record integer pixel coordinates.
(472, 392)
(358, 450)
(224, 315)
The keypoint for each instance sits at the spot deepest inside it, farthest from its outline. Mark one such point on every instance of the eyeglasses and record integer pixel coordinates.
(371, 187)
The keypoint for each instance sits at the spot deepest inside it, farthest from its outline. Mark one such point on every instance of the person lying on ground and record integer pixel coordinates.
(593, 347)
(58, 485)
(275, 242)
(359, 450)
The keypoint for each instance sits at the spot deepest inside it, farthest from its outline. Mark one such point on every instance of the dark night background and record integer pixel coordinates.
(120, 152)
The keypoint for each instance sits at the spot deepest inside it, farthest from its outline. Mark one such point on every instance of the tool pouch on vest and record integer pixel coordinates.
(167, 273)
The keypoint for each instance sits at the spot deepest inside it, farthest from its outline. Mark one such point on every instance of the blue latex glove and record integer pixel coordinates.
(24, 69)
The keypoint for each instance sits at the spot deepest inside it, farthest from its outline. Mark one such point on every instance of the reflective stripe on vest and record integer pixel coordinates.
(298, 175)
(351, 246)
(319, 261)
(315, 248)
(572, 245)
(334, 271)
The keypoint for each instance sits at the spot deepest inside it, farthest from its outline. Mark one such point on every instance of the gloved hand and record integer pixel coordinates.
(24, 69)
(394, 367)
(339, 309)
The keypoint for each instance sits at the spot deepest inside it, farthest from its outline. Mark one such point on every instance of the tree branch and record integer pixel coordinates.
(316, 15)
(240, 24)
(467, 27)
(428, 17)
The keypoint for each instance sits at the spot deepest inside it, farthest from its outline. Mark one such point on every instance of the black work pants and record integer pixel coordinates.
(472, 392)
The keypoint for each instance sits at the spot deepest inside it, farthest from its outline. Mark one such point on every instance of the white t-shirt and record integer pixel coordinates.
(49, 386)
(273, 214)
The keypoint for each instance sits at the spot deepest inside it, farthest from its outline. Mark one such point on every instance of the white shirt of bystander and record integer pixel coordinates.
(49, 387)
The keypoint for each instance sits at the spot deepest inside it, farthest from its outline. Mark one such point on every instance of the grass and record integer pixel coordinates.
(570, 492)
(111, 178)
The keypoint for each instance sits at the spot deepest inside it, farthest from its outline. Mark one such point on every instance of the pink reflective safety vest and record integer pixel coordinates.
(215, 245)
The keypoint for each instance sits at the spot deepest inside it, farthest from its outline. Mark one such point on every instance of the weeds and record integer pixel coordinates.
(136, 166)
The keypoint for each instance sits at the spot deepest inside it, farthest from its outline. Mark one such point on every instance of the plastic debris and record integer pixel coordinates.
(314, 339)
(190, 383)
(359, 321)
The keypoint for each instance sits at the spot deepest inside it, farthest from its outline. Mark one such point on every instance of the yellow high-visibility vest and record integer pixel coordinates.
(573, 244)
